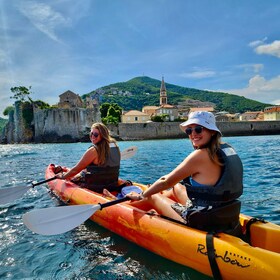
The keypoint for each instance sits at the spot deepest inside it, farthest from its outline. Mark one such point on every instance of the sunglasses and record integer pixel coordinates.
(95, 134)
(198, 129)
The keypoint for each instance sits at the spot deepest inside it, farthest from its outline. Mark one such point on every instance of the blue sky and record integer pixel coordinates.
(81, 45)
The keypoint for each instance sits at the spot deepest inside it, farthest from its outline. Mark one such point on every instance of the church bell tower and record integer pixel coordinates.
(162, 95)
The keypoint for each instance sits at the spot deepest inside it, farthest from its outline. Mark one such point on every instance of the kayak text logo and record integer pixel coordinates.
(227, 257)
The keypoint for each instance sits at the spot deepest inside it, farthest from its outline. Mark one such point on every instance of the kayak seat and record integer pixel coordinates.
(218, 219)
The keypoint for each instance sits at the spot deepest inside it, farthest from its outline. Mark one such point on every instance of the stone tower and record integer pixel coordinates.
(162, 95)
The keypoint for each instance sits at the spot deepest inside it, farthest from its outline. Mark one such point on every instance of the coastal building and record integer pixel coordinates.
(169, 111)
(92, 100)
(134, 116)
(69, 99)
(162, 94)
(150, 110)
(205, 109)
(185, 106)
(272, 113)
(251, 116)
(226, 117)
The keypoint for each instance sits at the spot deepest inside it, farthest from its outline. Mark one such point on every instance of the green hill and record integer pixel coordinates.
(145, 91)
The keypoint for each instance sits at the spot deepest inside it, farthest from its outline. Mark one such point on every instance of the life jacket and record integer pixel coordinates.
(228, 188)
(98, 177)
(218, 204)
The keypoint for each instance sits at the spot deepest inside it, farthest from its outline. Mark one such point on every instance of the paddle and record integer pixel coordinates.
(9, 194)
(57, 220)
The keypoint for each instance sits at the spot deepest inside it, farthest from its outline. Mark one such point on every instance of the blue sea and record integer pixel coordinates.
(91, 252)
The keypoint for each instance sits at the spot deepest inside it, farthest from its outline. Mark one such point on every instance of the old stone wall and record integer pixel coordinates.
(73, 125)
(17, 129)
(171, 129)
(64, 125)
(249, 128)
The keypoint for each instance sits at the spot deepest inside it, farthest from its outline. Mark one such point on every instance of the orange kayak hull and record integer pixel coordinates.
(236, 259)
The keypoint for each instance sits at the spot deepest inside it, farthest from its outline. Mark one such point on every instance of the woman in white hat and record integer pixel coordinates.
(210, 177)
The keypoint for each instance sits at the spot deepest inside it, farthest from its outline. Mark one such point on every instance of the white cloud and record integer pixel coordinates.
(256, 68)
(270, 49)
(199, 74)
(260, 89)
(43, 17)
(257, 42)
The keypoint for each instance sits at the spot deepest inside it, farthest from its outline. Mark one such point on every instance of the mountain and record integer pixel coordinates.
(145, 91)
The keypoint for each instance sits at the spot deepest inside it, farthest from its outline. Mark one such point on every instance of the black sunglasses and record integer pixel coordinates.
(198, 129)
(95, 134)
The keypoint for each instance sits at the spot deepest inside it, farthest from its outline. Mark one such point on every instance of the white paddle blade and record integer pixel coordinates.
(57, 220)
(9, 194)
(129, 152)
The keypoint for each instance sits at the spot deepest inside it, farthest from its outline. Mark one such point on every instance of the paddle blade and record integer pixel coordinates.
(9, 194)
(129, 152)
(56, 220)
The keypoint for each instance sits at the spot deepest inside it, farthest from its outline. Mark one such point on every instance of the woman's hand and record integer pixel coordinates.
(60, 176)
(135, 196)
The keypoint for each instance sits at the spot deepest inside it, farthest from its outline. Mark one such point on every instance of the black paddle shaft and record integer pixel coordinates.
(42, 182)
(110, 203)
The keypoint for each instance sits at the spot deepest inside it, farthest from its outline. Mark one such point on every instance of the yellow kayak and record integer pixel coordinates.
(172, 240)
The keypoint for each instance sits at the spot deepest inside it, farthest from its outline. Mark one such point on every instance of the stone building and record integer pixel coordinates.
(164, 108)
(134, 116)
(251, 116)
(69, 99)
(272, 113)
(93, 100)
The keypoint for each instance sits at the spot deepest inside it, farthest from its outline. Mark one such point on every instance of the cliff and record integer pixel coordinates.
(19, 128)
(63, 125)
(28, 124)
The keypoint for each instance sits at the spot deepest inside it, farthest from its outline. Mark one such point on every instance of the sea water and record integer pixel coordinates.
(92, 252)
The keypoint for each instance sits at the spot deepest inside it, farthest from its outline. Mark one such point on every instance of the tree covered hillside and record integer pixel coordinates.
(145, 91)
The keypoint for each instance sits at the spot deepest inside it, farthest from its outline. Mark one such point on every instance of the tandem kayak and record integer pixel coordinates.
(177, 242)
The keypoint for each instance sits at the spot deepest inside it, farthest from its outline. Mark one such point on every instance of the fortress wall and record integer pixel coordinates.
(142, 131)
(63, 125)
(72, 125)
(249, 128)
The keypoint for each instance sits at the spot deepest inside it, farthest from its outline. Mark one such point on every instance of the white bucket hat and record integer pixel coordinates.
(203, 118)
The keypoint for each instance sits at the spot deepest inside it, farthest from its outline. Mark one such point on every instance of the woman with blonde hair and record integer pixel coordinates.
(100, 164)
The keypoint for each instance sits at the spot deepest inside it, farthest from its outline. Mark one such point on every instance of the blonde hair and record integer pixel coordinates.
(103, 146)
(213, 147)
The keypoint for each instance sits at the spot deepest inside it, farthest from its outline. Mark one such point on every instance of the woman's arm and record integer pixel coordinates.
(189, 166)
(89, 156)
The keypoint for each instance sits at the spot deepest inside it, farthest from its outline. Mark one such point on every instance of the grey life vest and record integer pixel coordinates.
(99, 176)
(228, 188)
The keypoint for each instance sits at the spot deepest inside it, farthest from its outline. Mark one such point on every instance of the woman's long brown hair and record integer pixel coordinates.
(213, 147)
(103, 146)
